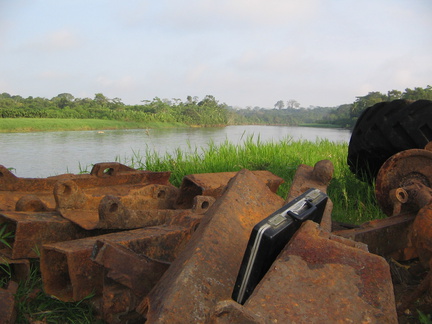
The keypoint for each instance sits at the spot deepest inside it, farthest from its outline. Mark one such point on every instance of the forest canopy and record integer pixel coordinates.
(193, 111)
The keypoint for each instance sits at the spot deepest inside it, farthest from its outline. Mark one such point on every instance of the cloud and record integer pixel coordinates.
(59, 40)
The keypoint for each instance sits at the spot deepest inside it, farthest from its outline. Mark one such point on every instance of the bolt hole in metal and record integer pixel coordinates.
(67, 189)
(401, 195)
(113, 208)
(109, 171)
(205, 205)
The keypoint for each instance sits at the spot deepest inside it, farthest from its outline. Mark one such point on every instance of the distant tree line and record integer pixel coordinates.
(346, 115)
(192, 111)
(207, 111)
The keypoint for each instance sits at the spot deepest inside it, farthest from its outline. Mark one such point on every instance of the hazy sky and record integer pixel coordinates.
(243, 52)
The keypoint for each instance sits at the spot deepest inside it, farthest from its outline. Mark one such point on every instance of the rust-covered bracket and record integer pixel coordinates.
(12, 188)
(111, 207)
(214, 184)
(30, 230)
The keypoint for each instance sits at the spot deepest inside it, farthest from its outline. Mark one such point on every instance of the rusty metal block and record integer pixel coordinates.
(7, 303)
(139, 271)
(114, 214)
(131, 272)
(389, 237)
(128, 277)
(319, 177)
(206, 270)
(13, 188)
(31, 230)
(213, 184)
(316, 279)
(69, 273)
(113, 207)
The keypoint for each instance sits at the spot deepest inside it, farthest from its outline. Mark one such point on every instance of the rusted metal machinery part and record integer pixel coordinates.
(112, 214)
(213, 184)
(318, 177)
(85, 209)
(139, 272)
(123, 288)
(115, 215)
(389, 237)
(30, 230)
(316, 278)
(69, 273)
(205, 271)
(12, 188)
(128, 277)
(404, 182)
(7, 304)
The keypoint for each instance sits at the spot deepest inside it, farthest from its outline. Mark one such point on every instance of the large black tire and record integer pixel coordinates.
(385, 129)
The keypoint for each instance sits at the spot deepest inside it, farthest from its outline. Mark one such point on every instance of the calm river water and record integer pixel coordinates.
(44, 154)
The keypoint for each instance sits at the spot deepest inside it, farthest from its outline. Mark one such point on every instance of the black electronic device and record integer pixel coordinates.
(270, 236)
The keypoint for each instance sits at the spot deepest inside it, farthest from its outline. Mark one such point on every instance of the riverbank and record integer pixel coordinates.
(23, 125)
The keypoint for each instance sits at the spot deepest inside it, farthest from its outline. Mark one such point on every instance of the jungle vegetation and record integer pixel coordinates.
(192, 111)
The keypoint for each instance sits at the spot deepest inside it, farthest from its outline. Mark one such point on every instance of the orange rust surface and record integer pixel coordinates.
(389, 237)
(31, 230)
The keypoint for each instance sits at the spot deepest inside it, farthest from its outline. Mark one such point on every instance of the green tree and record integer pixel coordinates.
(292, 104)
(418, 93)
(394, 94)
(101, 100)
(280, 104)
(362, 103)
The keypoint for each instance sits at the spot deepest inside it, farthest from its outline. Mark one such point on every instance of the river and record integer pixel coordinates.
(43, 154)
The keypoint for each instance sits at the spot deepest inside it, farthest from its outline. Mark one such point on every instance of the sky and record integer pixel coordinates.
(242, 52)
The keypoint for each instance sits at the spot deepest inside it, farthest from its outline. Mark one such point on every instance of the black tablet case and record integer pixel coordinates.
(270, 236)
